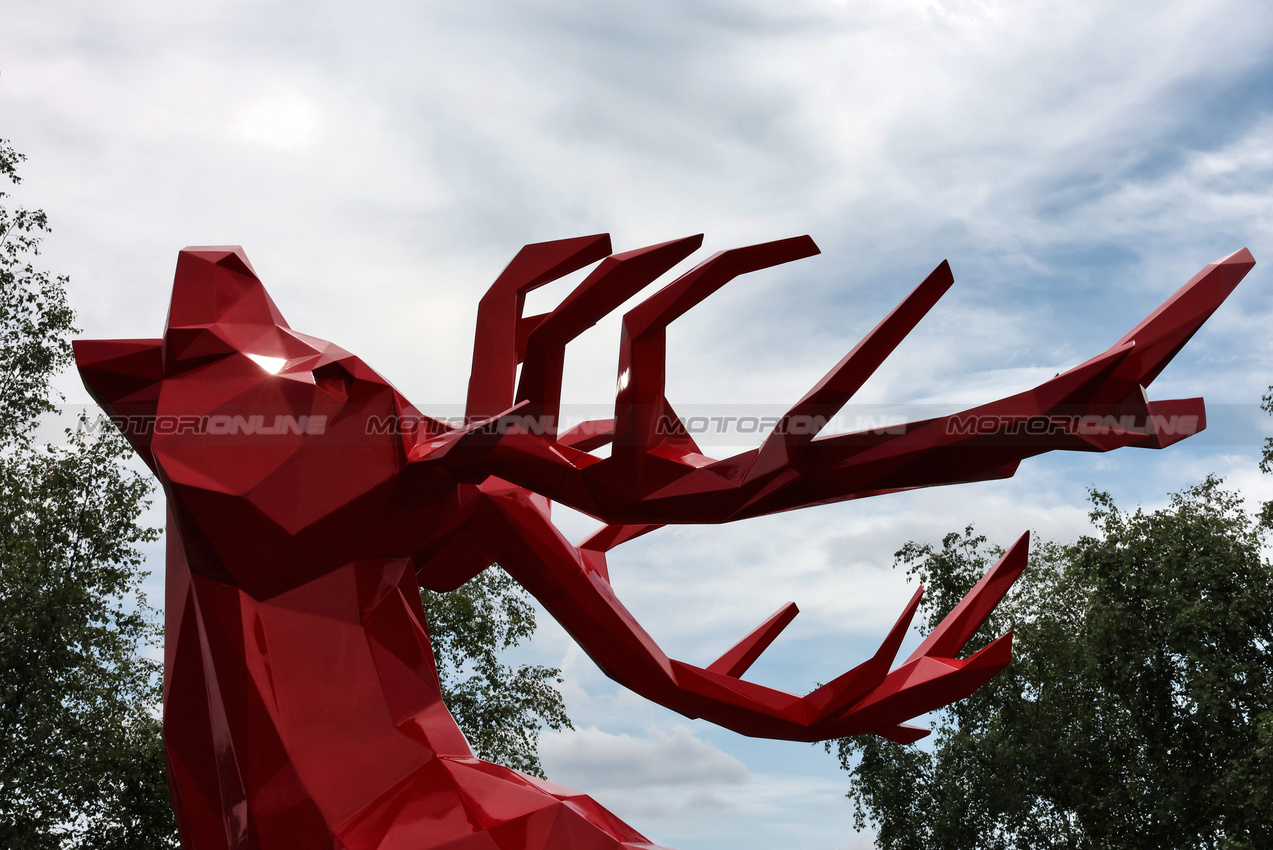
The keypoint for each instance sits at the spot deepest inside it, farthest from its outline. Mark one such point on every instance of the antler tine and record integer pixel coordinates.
(618, 278)
(499, 316)
(962, 622)
(640, 400)
(807, 417)
(839, 694)
(1161, 335)
(738, 659)
(925, 685)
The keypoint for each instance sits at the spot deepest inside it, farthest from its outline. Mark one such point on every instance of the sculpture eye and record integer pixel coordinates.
(334, 379)
(273, 365)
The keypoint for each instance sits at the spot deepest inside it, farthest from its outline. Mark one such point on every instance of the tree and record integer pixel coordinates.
(500, 708)
(1266, 460)
(1137, 713)
(80, 754)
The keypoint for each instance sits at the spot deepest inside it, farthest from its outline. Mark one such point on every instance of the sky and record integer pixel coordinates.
(381, 162)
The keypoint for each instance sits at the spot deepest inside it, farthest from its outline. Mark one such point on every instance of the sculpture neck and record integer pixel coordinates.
(308, 706)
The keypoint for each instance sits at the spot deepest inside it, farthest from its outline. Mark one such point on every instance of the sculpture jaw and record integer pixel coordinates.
(124, 377)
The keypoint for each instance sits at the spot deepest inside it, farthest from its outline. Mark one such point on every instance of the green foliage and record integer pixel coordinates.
(1137, 713)
(81, 759)
(500, 708)
(35, 320)
(1266, 461)
(81, 763)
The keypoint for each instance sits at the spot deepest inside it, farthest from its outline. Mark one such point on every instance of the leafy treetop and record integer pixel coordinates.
(1138, 712)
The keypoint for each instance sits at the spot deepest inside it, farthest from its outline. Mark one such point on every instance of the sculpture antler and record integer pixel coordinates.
(573, 584)
(656, 474)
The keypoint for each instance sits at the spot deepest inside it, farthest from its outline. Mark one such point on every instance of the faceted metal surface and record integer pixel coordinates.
(301, 702)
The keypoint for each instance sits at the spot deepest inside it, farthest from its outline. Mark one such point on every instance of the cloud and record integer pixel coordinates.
(659, 776)
(1075, 163)
(673, 782)
(662, 759)
(284, 120)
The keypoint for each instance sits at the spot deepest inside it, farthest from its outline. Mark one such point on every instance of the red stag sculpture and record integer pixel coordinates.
(301, 702)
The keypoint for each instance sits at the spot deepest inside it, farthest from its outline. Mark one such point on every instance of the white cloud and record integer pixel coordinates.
(284, 120)
(673, 782)
(662, 759)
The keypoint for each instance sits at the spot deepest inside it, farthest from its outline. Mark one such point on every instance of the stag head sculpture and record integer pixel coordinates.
(301, 703)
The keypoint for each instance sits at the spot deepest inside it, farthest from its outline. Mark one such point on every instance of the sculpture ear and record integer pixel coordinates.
(124, 376)
(218, 285)
(220, 307)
